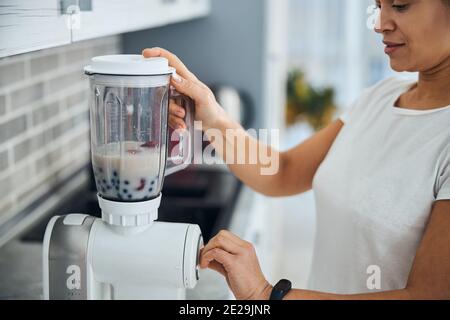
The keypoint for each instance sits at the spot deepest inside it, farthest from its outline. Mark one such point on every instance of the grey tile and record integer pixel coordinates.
(81, 138)
(48, 135)
(5, 186)
(22, 150)
(21, 177)
(12, 72)
(77, 53)
(28, 146)
(3, 160)
(5, 207)
(43, 64)
(81, 118)
(76, 99)
(77, 143)
(101, 50)
(57, 130)
(68, 124)
(45, 112)
(2, 105)
(48, 160)
(66, 80)
(24, 96)
(13, 128)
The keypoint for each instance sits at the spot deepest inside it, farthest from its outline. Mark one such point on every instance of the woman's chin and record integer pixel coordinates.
(399, 67)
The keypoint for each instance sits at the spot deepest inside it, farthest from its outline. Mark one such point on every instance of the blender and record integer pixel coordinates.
(127, 254)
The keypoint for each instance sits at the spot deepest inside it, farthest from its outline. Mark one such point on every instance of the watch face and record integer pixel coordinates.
(281, 289)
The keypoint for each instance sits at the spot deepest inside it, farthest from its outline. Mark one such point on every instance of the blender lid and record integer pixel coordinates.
(129, 65)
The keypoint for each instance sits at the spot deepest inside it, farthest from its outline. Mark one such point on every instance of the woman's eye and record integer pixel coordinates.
(400, 7)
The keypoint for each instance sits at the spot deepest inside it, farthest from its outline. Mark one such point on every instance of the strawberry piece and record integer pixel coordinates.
(142, 184)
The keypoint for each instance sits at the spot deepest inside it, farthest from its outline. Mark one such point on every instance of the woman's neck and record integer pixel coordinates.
(434, 84)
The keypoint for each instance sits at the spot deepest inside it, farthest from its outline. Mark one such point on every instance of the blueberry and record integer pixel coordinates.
(153, 182)
(108, 187)
(104, 181)
(130, 196)
(117, 188)
(150, 190)
(125, 191)
(126, 182)
(115, 173)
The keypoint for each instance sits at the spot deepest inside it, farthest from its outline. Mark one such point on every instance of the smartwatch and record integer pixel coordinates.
(280, 289)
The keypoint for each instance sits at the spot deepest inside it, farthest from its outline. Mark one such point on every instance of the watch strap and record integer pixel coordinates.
(280, 289)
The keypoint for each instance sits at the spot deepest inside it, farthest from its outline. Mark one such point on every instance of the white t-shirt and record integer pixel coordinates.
(375, 189)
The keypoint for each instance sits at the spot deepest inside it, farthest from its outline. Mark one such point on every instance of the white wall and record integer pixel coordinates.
(329, 39)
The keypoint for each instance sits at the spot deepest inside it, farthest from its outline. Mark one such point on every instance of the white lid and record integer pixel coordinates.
(129, 64)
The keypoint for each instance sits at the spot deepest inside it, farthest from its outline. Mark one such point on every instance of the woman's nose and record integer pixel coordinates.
(384, 22)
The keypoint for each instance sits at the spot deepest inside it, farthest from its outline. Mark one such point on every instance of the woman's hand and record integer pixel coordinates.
(207, 109)
(236, 260)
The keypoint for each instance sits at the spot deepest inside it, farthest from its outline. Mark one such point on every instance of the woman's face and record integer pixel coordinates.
(416, 33)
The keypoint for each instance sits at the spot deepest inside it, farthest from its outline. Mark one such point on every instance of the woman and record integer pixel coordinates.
(380, 174)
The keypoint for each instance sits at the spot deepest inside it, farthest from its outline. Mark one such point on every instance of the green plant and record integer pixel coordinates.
(305, 103)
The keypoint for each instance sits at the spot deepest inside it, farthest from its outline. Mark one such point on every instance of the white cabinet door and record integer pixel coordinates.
(27, 25)
(118, 16)
(110, 17)
(179, 10)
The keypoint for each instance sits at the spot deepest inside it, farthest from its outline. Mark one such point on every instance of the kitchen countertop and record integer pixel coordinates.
(21, 264)
(21, 270)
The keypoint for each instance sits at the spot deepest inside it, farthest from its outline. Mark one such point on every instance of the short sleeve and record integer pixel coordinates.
(443, 180)
(348, 113)
(370, 96)
(345, 115)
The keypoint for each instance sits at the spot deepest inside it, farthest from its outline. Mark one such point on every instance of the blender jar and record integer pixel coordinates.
(130, 136)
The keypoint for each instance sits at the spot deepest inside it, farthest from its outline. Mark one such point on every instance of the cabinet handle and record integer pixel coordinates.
(67, 6)
(169, 1)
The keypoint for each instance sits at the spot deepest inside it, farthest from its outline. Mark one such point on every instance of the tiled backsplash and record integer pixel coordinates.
(44, 126)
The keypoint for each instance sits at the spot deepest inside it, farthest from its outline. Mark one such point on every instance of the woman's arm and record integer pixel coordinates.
(294, 169)
(429, 277)
(285, 173)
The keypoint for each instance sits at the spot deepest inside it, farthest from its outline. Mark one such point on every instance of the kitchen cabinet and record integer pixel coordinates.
(28, 25)
(117, 16)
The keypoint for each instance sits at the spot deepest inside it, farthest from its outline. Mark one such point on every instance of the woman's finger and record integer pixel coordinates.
(214, 265)
(173, 61)
(232, 237)
(188, 88)
(223, 257)
(176, 110)
(222, 242)
(176, 122)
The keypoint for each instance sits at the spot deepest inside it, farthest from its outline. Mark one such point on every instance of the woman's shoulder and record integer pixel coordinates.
(372, 97)
(389, 86)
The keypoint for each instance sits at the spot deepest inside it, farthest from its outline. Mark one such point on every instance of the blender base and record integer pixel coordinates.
(125, 255)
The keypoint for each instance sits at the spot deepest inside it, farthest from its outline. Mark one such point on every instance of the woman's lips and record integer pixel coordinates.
(392, 47)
